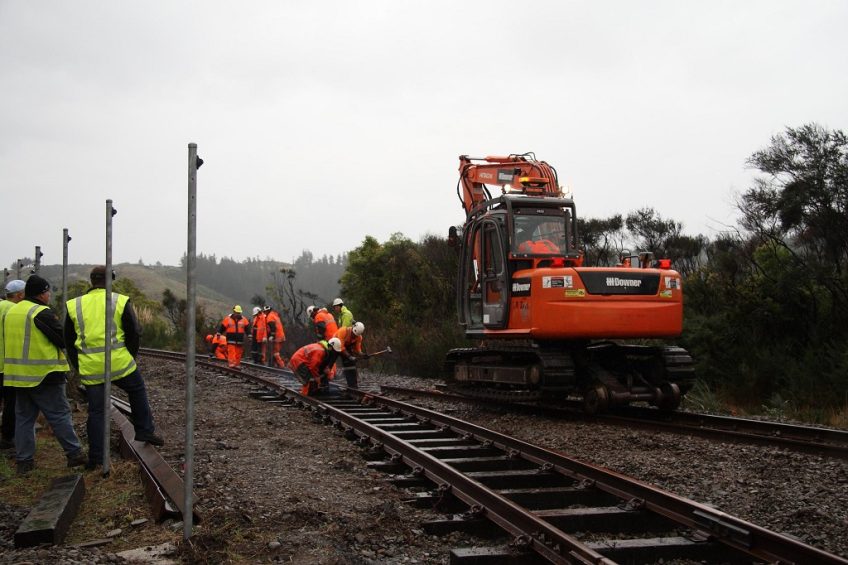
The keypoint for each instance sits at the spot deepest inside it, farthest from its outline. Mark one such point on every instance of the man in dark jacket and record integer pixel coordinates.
(85, 335)
(36, 366)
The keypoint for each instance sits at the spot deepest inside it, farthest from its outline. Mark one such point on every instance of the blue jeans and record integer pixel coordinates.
(142, 419)
(50, 399)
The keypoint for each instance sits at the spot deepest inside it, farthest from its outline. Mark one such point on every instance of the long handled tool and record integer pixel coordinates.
(386, 350)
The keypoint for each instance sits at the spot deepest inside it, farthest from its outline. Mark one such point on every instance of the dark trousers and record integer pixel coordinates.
(142, 419)
(7, 428)
(350, 373)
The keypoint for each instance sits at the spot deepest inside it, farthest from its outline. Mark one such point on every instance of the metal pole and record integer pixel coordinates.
(38, 255)
(194, 163)
(107, 369)
(65, 239)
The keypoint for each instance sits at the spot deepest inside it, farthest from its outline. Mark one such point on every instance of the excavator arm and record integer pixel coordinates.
(520, 173)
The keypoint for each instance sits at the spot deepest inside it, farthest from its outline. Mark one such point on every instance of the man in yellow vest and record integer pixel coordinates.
(36, 366)
(85, 334)
(14, 294)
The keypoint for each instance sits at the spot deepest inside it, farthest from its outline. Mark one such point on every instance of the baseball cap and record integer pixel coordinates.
(15, 286)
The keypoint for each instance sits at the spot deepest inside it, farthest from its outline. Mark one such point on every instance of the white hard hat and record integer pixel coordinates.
(337, 302)
(256, 310)
(309, 310)
(335, 343)
(358, 328)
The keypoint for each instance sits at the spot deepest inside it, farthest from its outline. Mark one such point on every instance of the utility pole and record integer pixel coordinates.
(37, 266)
(65, 239)
(107, 369)
(194, 163)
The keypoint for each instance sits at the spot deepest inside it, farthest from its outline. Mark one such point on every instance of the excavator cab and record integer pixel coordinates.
(513, 234)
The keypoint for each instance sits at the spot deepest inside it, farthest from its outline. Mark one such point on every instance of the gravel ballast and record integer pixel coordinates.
(274, 486)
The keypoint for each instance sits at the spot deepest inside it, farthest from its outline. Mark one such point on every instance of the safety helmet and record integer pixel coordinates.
(358, 328)
(267, 308)
(338, 302)
(237, 309)
(208, 338)
(309, 310)
(256, 310)
(335, 343)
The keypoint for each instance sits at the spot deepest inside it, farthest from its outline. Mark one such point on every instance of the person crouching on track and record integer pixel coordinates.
(259, 335)
(351, 340)
(85, 334)
(276, 334)
(217, 346)
(235, 327)
(315, 364)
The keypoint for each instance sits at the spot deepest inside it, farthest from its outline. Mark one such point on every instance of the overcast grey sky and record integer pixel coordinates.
(322, 122)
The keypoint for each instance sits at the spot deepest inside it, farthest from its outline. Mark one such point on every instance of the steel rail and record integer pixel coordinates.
(535, 533)
(807, 439)
(163, 486)
(739, 534)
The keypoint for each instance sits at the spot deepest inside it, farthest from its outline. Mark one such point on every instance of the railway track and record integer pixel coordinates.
(808, 439)
(552, 508)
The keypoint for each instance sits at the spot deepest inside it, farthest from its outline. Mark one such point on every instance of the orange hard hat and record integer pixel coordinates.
(208, 338)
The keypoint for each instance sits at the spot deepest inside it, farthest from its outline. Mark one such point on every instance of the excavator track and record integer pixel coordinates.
(606, 374)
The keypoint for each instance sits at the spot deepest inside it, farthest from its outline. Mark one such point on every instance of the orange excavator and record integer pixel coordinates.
(549, 327)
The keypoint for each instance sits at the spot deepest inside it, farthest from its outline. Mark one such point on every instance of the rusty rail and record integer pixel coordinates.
(502, 480)
(825, 442)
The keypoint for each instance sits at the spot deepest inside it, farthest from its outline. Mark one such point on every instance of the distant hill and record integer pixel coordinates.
(151, 280)
(220, 283)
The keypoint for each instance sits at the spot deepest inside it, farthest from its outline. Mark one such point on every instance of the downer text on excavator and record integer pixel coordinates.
(547, 326)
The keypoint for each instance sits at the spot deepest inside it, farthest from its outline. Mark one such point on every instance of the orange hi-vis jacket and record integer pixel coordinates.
(275, 326)
(541, 246)
(234, 329)
(260, 331)
(325, 324)
(350, 343)
(315, 357)
(219, 345)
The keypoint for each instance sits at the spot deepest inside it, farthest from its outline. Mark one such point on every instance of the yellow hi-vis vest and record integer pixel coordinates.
(88, 312)
(5, 306)
(29, 355)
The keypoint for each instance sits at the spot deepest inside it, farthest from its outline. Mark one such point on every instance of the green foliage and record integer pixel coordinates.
(703, 399)
(404, 293)
(766, 314)
(176, 311)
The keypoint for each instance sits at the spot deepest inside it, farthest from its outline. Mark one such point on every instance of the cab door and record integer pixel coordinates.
(484, 298)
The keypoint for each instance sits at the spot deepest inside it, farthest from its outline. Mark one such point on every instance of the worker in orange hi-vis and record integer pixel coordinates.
(217, 345)
(351, 340)
(235, 327)
(324, 322)
(276, 335)
(315, 365)
(259, 335)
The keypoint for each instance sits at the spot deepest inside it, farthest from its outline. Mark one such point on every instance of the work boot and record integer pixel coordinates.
(25, 467)
(152, 439)
(77, 460)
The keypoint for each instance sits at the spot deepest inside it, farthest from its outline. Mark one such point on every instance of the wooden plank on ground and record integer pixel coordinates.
(50, 518)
